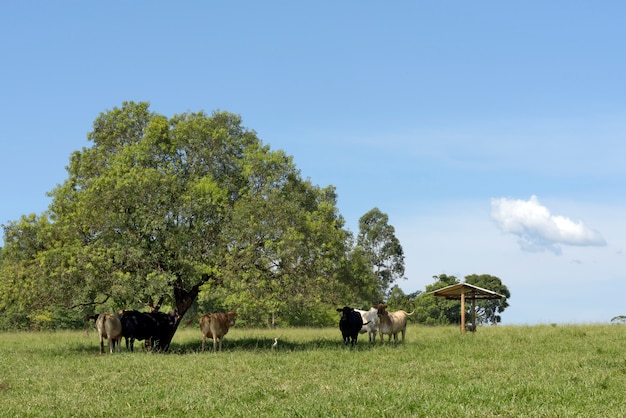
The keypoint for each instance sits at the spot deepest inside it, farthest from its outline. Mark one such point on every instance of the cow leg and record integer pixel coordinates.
(115, 344)
(130, 343)
(101, 345)
(403, 331)
(203, 340)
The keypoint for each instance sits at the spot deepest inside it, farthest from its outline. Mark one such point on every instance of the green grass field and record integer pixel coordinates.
(511, 371)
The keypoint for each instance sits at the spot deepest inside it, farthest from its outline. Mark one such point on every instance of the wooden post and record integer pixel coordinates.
(474, 312)
(463, 312)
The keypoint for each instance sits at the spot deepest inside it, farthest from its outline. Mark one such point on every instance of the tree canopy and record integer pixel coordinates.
(488, 310)
(382, 249)
(160, 210)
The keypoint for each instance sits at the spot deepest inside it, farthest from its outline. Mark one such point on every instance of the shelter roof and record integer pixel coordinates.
(471, 292)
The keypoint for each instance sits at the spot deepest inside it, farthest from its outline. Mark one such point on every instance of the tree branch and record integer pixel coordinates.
(89, 303)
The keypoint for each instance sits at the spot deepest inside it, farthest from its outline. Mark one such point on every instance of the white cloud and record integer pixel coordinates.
(537, 229)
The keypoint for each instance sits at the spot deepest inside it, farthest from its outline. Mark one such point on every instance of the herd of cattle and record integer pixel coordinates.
(377, 320)
(157, 328)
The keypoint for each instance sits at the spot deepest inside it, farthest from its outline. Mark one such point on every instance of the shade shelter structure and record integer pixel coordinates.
(464, 291)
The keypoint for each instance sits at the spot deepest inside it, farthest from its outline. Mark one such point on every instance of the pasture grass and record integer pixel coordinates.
(509, 371)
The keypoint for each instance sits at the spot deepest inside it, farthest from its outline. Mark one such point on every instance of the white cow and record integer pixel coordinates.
(370, 318)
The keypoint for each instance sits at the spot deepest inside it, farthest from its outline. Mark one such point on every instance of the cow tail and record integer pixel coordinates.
(412, 304)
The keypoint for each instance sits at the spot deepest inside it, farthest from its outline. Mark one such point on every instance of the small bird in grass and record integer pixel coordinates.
(275, 343)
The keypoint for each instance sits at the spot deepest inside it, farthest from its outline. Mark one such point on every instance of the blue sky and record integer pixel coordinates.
(491, 133)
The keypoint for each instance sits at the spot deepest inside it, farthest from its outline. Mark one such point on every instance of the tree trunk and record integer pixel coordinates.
(184, 299)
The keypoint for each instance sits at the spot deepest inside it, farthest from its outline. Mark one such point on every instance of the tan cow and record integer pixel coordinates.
(391, 323)
(109, 327)
(216, 325)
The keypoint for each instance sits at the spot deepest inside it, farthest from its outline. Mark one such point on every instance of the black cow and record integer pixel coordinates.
(165, 328)
(350, 324)
(137, 326)
(156, 328)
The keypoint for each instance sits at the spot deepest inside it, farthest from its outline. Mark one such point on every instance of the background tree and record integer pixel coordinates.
(159, 209)
(400, 300)
(22, 300)
(380, 246)
(436, 311)
(431, 310)
(364, 287)
(488, 310)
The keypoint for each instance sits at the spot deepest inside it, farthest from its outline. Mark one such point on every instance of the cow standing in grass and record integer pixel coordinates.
(109, 327)
(156, 328)
(216, 325)
(350, 325)
(370, 321)
(392, 323)
(136, 326)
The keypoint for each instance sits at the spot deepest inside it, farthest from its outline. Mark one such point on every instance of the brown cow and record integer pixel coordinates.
(109, 327)
(392, 322)
(216, 325)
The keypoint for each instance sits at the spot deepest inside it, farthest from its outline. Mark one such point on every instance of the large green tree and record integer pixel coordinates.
(161, 209)
(488, 310)
(382, 249)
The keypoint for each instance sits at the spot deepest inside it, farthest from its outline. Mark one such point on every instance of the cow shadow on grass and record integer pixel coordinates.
(248, 344)
(267, 344)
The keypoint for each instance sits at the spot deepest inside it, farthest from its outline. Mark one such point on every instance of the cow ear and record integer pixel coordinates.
(339, 310)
